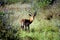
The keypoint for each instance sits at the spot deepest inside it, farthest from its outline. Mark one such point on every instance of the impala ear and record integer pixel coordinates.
(29, 14)
(35, 13)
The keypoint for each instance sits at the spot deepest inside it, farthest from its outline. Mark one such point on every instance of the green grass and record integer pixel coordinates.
(40, 30)
(13, 1)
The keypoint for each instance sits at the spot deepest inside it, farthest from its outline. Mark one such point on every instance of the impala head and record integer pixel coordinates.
(32, 16)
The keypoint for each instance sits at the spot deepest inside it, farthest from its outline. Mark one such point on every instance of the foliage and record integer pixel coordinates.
(36, 3)
(40, 29)
(42, 3)
(6, 32)
(14, 1)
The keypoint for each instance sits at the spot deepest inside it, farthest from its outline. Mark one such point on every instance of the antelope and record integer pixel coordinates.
(25, 23)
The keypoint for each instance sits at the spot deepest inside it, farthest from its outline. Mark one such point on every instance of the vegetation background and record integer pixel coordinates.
(46, 25)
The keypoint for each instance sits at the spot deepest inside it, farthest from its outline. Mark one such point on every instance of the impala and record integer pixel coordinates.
(25, 23)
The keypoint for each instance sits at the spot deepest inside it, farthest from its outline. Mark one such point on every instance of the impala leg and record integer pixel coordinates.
(28, 28)
(22, 27)
(25, 28)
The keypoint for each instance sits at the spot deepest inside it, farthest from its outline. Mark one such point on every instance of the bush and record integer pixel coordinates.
(6, 32)
(42, 3)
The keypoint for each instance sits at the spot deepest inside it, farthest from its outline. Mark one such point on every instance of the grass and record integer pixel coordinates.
(40, 30)
(13, 1)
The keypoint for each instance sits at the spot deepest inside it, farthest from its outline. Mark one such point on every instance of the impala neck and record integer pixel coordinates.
(31, 18)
